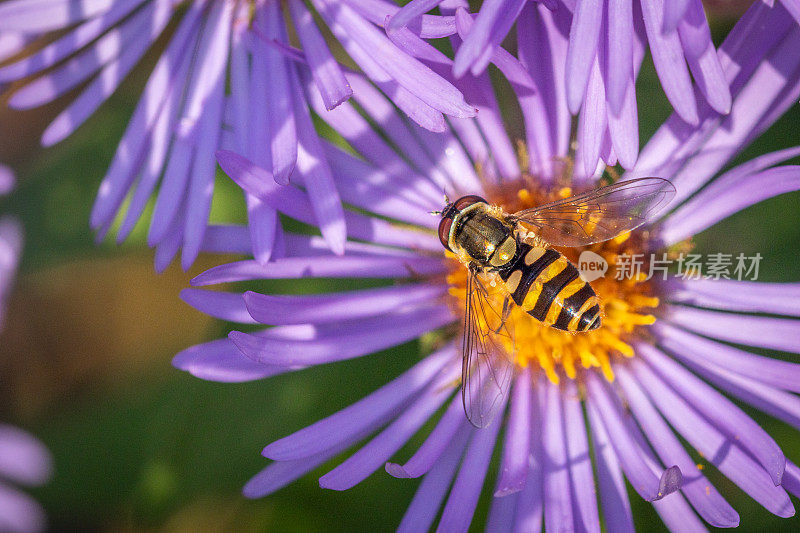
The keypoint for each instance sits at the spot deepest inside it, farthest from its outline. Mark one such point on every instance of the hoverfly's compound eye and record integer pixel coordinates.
(466, 201)
(444, 230)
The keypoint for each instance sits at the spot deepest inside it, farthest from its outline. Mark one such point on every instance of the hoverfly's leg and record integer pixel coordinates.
(506, 313)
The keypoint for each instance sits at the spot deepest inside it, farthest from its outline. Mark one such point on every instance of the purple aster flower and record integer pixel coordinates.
(23, 459)
(585, 412)
(186, 111)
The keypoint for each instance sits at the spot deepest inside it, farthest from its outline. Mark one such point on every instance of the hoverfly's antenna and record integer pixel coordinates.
(446, 203)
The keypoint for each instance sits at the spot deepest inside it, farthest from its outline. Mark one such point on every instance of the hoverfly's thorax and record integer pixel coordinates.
(470, 226)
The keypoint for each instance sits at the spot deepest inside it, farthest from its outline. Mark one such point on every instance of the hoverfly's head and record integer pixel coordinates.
(451, 212)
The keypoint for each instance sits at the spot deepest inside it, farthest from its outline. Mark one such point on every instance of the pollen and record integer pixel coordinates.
(628, 302)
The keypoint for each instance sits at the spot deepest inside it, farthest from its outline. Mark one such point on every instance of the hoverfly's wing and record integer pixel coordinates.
(486, 369)
(598, 215)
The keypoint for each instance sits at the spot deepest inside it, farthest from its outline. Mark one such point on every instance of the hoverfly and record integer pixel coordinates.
(515, 252)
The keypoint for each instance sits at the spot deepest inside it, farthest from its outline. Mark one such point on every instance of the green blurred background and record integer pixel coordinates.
(141, 446)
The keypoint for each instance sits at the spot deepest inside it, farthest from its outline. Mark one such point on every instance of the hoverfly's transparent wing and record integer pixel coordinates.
(486, 369)
(600, 214)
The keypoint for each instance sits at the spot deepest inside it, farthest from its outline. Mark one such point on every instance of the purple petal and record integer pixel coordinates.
(463, 499)
(494, 17)
(293, 202)
(228, 306)
(372, 455)
(344, 341)
(67, 45)
(734, 295)
(763, 332)
(335, 307)
(421, 81)
(584, 498)
(313, 167)
(791, 480)
(712, 205)
(631, 456)
(220, 360)
(363, 416)
(328, 76)
(610, 482)
(227, 239)
(280, 102)
(702, 58)
(777, 403)
(619, 55)
(584, 36)
(677, 515)
(501, 514)
(702, 495)
(516, 445)
(328, 267)
(366, 186)
(723, 452)
(452, 423)
(771, 371)
(23, 459)
(425, 506)
(674, 12)
(167, 78)
(556, 487)
(726, 416)
(427, 27)
(34, 16)
(592, 124)
(107, 81)
(669, 62)
(205, 107)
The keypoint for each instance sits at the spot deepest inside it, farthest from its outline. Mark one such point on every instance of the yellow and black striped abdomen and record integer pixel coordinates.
(548, 287)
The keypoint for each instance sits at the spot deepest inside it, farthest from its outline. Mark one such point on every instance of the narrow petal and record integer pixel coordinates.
(516, 445)
(335, 307)
(735, 295)
(363, 416)
(669, 62)
(584, 497)
(763, 332)
(634, 464)
(228, 306)
(34, 16)
(702, 57)
(584, 36)
(610, 481)
(674, 12)
(722, 412)
(721, 202)
(530, 501)
(328, 76)
(280, 100)
(463, 499)
(314, 267)
(344, 341)
(428, 499)
(774, 372)
(407, 71)
(556, 486)
(708, 502)
(453, 422)
(19, 512)
(220, 360)
(376, 452)
(719, 449)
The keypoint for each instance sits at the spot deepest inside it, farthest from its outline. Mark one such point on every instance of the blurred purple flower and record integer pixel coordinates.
(23, 459)
(186, 112)
(656, 389)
